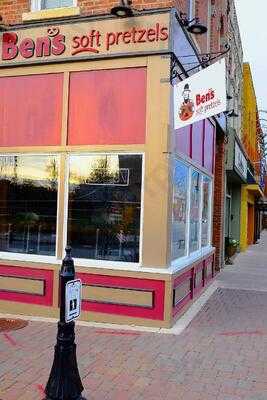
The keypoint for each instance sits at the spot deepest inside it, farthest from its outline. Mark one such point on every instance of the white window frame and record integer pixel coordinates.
(193, 169)
(86, 262)
(36, 5)
(36, 257)
(210, 210)
(189, 258)
(187, 207)
(79, 261)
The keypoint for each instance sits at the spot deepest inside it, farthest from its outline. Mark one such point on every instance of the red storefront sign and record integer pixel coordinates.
(87, 38)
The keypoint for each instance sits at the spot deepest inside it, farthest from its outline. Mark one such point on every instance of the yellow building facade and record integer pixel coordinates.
(250, 192)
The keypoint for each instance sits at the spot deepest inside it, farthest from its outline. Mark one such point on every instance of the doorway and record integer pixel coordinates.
(251, 223)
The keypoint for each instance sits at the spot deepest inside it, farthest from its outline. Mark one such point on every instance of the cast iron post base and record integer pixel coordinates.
(64, 382)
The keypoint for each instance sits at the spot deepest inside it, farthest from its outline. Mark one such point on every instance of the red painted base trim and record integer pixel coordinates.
(177, 282)
(157, 287)
(195, 291)
(47, 276)
(198, 288)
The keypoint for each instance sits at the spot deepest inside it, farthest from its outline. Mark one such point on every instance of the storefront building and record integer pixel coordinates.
(89, 158)
(235, 176)
(236, 172)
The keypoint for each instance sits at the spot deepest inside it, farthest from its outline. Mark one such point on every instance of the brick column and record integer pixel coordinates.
(219, 202)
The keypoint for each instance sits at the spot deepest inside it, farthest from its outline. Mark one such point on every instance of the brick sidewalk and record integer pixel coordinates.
(221, 355)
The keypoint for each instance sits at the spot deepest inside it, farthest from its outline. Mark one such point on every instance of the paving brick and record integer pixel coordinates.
(220, 356)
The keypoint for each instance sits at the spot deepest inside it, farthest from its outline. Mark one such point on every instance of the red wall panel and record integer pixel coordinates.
(197, 141)
(182, 141)
(107, 107)
(30, 110)
(45, 276)
(157, 287)
(209, 143)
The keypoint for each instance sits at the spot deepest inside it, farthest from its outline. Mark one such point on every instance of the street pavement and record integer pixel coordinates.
(220, 355)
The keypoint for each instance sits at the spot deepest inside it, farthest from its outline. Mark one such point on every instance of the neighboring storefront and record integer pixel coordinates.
(236, 173)
(89, 158)
(250, 215)
(252, 194)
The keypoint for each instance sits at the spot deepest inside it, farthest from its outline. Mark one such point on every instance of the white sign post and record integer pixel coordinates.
(200, 96)
(73, 300)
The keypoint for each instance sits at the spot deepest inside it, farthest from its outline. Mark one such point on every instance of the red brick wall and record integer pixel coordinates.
(218, 11)
(11, 10)
(218, 205)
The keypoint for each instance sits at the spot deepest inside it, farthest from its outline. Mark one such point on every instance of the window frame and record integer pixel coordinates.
(63, 163)
(210, 211)
(187, 208)
(189, 258)
(36, 6)
(5, 255)
(87, 262)
(192, 170)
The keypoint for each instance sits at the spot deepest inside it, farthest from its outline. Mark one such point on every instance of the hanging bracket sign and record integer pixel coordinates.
(200, 96)
(73, 300)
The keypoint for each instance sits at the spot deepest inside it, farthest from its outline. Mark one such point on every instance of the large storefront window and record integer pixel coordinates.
(206, 187)
(191, 210)
(194, 212)
(104, 206)
(28, 204)
(179, 209)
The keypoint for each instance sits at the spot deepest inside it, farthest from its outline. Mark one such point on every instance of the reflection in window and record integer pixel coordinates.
(104, 206)
(194, 212)
(46, 4)
(205, 211)
(28, 204)
(179, 207)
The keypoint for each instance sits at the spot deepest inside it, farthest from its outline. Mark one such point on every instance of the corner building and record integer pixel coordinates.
(89, 158)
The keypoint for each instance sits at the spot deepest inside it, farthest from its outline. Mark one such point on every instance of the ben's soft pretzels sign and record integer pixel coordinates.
(85, 39)
(200, 96)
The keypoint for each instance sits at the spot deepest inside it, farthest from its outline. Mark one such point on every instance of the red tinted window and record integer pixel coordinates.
(197, 141)
(30, 110)
(107, 107)
(182, 140)
(209, 145)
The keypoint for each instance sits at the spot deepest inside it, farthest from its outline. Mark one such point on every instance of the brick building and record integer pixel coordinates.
(102, 170)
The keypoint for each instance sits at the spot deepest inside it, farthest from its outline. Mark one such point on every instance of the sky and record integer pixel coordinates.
(253, 28)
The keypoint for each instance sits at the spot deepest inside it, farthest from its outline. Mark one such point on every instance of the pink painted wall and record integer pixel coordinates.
(197, 141)
(30, 110)
(107, 107)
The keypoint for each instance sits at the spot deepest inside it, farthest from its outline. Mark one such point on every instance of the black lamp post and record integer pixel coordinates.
(64, 382)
